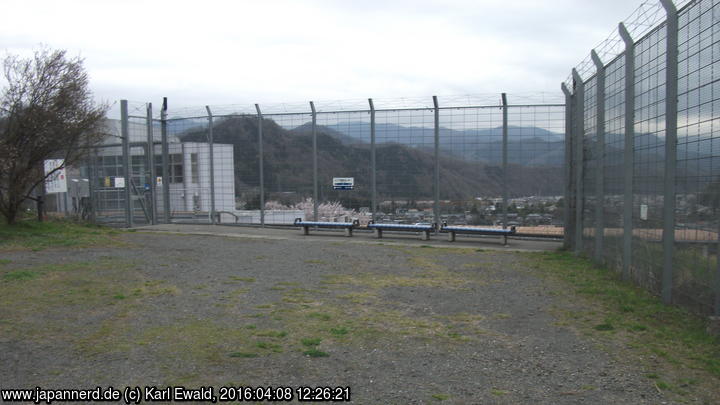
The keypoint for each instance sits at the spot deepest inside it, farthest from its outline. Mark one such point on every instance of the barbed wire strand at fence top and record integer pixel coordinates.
(645, 18)
(356, 104)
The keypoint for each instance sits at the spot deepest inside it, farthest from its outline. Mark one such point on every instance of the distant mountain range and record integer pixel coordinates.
(470, 159)
(527, 146)
(404, 172)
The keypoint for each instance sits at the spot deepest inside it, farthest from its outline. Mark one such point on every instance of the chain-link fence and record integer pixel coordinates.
(646, 161)
(496, 164)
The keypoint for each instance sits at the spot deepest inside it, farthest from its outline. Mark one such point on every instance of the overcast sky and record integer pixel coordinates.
(237, 52)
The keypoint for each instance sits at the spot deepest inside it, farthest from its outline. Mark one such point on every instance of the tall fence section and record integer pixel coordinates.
(644, 152)
(492, 164)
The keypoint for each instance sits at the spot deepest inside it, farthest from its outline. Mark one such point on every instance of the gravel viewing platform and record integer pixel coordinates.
(399, 322)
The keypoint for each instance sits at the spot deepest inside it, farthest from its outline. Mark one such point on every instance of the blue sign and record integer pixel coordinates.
(343, 183)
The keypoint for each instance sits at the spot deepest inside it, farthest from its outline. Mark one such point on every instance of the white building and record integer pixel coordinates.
(189, 177)
(188, 173)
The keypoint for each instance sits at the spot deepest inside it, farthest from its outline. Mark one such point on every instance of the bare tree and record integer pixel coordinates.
(46, 111)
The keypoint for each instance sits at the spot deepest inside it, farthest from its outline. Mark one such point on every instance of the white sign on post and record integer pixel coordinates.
(643, 212)
(343, 183)
(119, 182)
(57, 182)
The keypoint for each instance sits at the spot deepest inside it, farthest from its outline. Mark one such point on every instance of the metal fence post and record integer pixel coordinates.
(262, 169)
(373, 178)
(436, 183)
(125, 134)
(671, 86)
(315, 161)
(629, 151)
(165, 161)
(579, 134)
(600, 156)
(151, 163)
(92, 177)
(211, 151)
(568, 240)
(505, 159)
(717, 275)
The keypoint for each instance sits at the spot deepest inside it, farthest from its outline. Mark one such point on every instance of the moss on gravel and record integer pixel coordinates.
(44, 301)
(631, 322)
(34, 235)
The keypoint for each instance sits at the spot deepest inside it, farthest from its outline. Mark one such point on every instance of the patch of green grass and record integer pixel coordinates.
(660, 352)
(320, 316)
(5, 262)
(297, 299)
(201, 342)
(274, 347)
(637, 328)
(366, 322)
(70, 290)
(271, 333)
(310, 341)
(244, 355)
(359, 297)
(315, 353)
(19, 275)
(288, 284)
(687, 381)
(440, 397)
(342, 331)
(668, 332)
(663, 385)
(604, 326)
(34, 235)
(499, 392)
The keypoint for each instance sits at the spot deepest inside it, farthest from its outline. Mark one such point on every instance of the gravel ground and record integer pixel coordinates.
(399, 324)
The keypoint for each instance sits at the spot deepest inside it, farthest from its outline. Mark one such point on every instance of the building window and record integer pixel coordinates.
(158, 166)
(137, 169)
(176, 168)
(194, 168)
(108, 167)
(175, 164)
